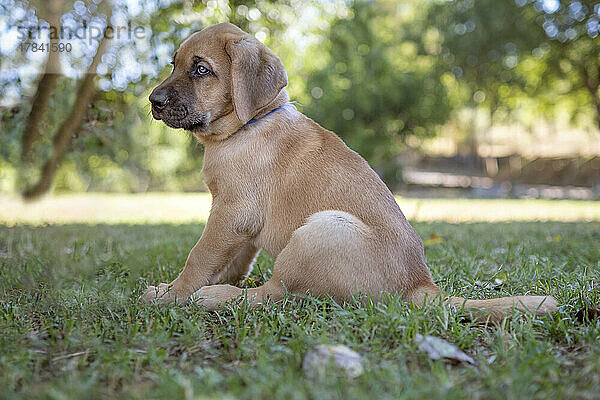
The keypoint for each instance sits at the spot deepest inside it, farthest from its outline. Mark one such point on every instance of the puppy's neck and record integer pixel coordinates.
(278, 101)
(220, 129)
(227, 125)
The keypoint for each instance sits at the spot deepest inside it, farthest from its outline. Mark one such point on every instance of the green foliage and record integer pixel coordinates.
(376, 73)
(482, 43)
(115, 155)
(376, 86)
(509, 52)
(72, 326)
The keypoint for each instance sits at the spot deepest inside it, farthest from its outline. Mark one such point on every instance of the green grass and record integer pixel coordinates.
(71, 326)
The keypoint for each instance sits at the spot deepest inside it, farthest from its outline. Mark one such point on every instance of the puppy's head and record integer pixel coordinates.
(220, 74)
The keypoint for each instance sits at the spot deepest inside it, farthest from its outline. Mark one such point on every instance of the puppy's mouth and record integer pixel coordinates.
(180, 118)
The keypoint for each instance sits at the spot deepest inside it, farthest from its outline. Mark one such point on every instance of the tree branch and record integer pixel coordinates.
(69, 126)
(45, 87)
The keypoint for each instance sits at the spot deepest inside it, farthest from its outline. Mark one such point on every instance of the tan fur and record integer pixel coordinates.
(287, 186)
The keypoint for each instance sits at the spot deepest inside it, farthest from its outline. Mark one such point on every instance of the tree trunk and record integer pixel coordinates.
(45, 87)
(597, 101)
(593, 87)
(69, 126)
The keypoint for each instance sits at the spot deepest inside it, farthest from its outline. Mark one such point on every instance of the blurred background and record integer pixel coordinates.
(463, 98)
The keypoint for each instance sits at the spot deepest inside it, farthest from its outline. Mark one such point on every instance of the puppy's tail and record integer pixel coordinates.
(492, 310)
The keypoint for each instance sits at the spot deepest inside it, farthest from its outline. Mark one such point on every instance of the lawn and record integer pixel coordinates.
(72, 326)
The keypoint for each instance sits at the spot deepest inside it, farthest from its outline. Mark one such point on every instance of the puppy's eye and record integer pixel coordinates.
(202, 70)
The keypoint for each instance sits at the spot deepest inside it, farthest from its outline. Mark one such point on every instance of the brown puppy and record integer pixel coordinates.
(283, 184)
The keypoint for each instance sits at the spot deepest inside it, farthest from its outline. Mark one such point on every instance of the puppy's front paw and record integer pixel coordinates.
(163, 293)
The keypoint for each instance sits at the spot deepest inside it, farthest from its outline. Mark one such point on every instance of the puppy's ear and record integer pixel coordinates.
(257, 76)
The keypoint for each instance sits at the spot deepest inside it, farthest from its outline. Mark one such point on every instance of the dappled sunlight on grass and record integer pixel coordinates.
(108, 208)
(481, 210)
(151, 208)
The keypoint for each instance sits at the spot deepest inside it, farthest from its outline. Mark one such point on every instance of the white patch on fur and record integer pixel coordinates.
(332, 219)
(252, 264)
(334, 226)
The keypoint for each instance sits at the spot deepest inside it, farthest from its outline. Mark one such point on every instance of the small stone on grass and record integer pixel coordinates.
(341, 357)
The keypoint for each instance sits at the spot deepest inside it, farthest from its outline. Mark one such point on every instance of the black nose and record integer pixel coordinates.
(159, 99)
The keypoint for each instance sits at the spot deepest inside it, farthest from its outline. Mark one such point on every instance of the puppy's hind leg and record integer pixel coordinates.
(215, 296)
(328, 255)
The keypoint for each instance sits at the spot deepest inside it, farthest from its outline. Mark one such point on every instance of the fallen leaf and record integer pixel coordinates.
(437, 348)
(319, 358)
